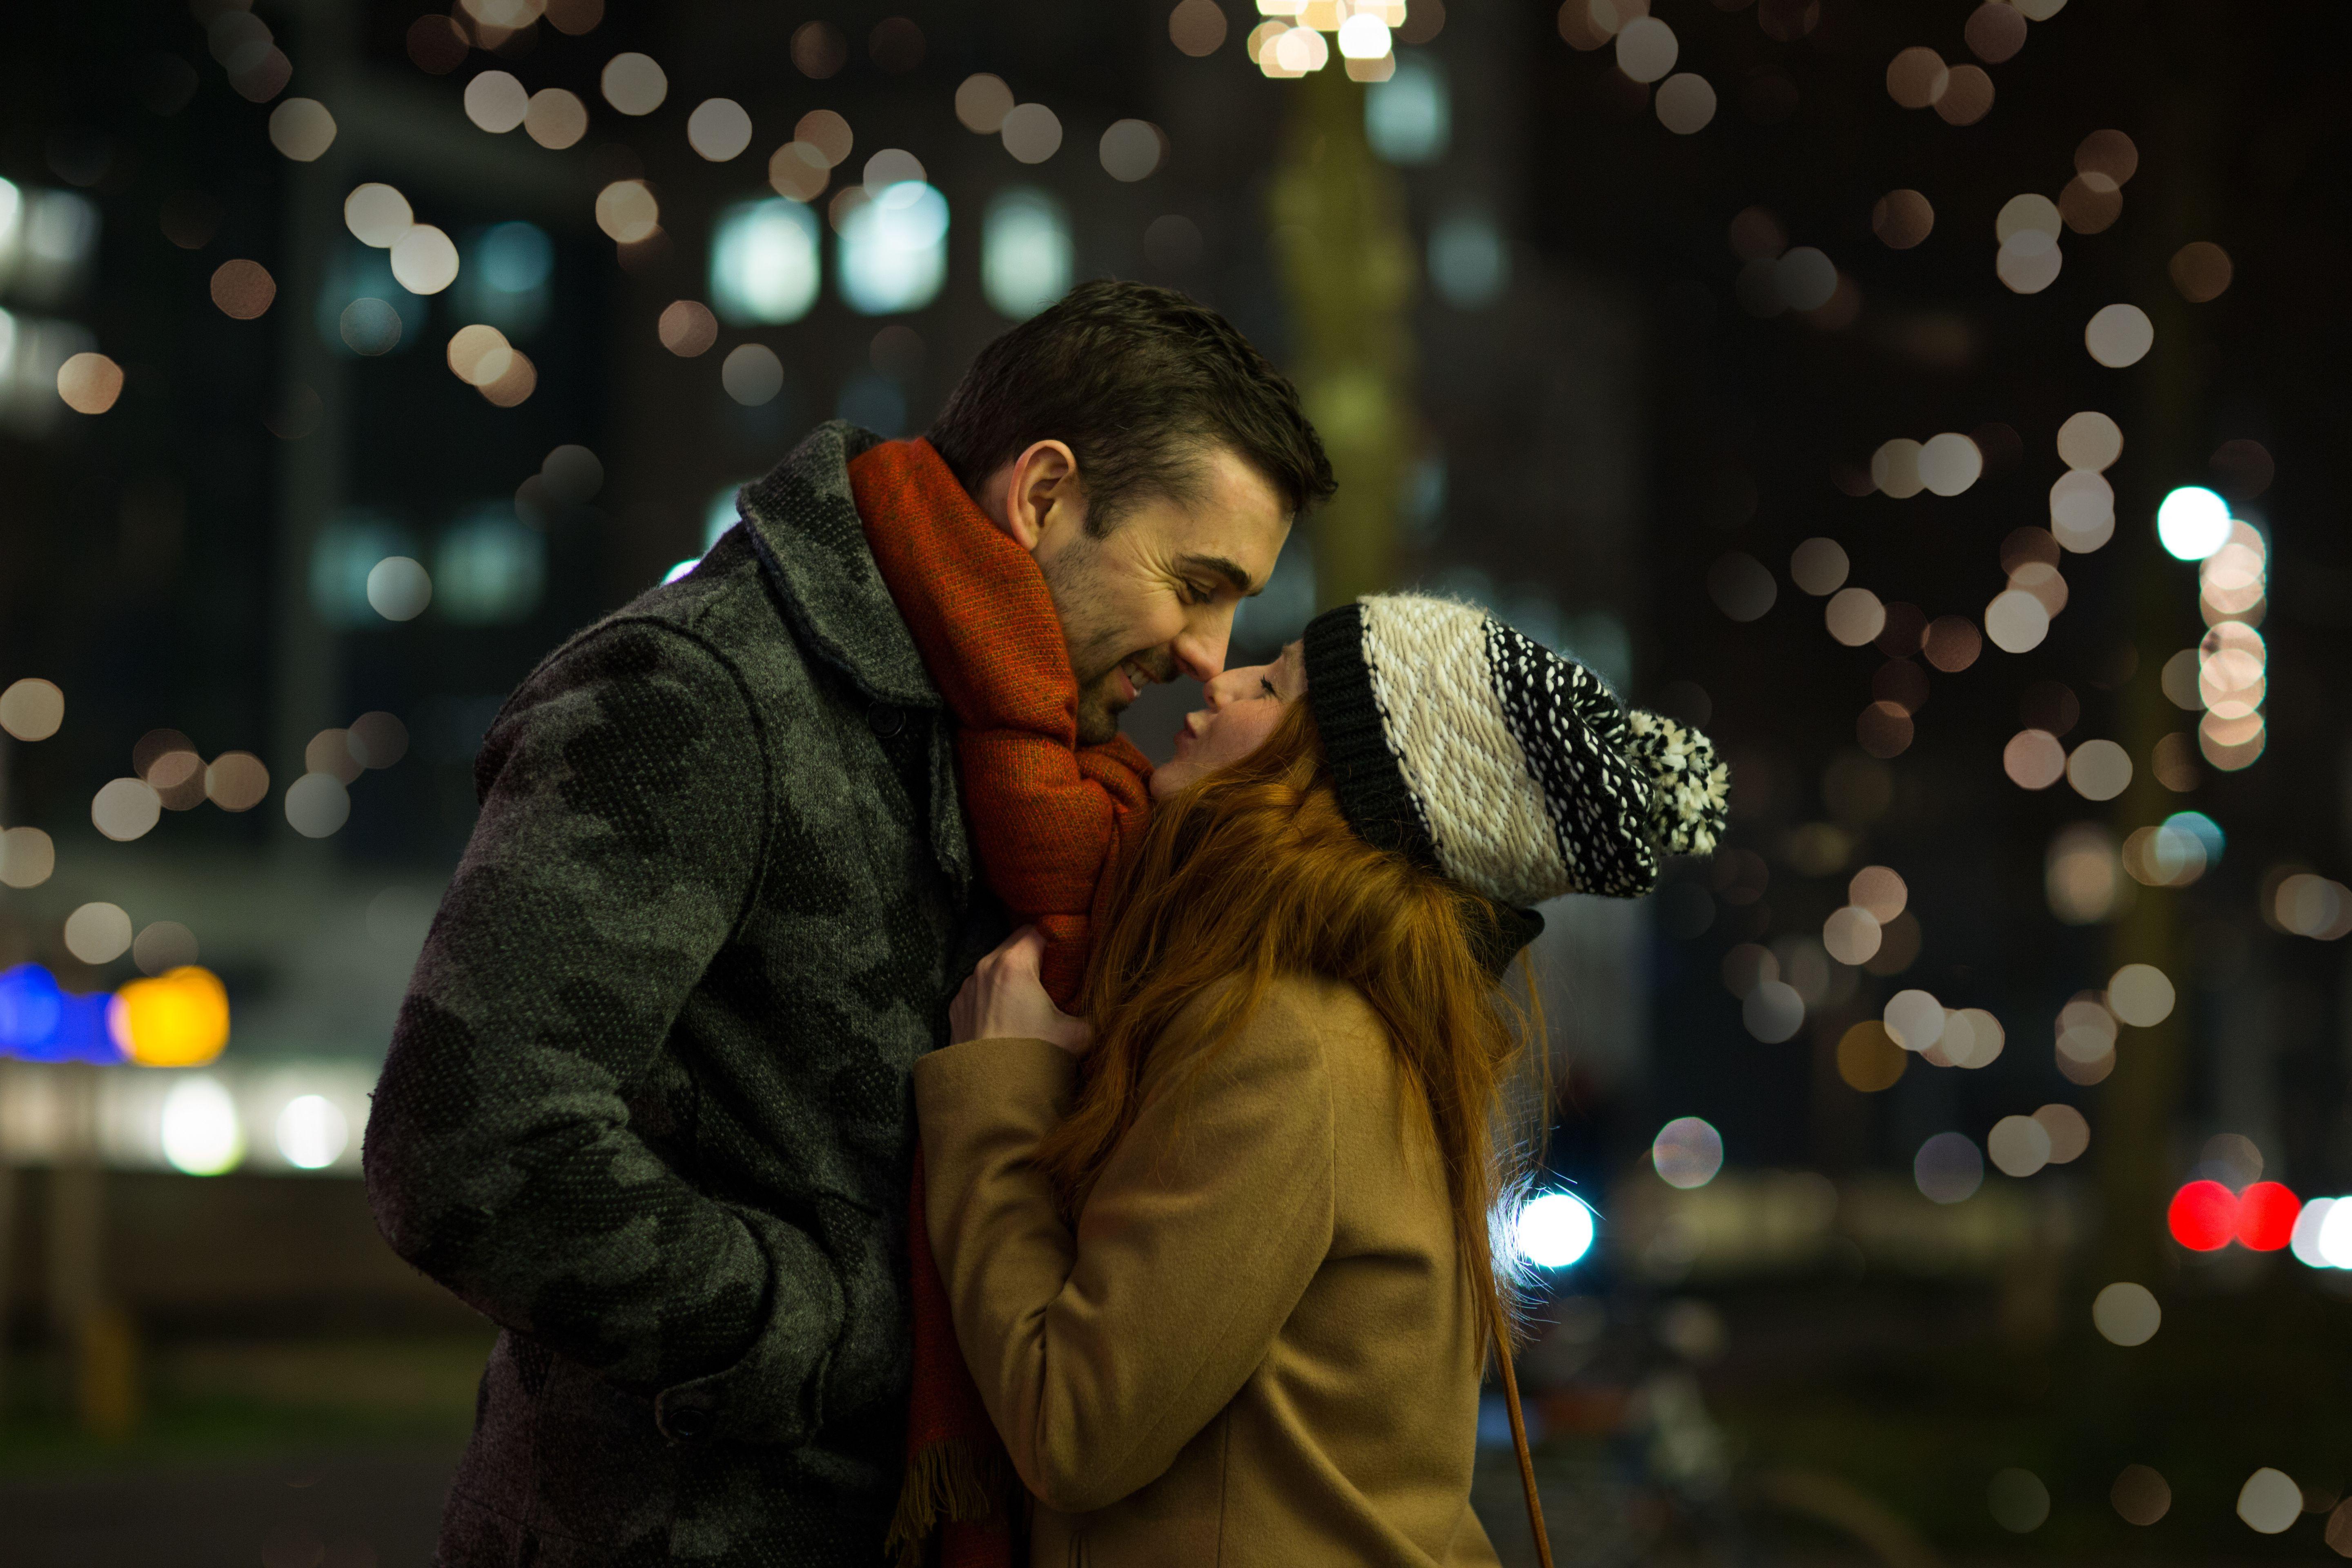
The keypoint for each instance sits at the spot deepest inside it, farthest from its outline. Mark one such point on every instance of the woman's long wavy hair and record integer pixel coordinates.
(1252, 873)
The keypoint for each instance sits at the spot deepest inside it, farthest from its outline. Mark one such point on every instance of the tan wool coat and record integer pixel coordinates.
(1256, 1347)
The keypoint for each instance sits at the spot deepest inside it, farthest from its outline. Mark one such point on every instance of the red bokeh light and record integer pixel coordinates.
(2266, 1212)
(2204, 1217)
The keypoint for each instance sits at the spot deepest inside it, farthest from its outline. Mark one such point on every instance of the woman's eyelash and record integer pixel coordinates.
(1268, 685)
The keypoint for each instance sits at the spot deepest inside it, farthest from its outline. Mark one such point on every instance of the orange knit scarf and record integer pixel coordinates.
(1051, 820)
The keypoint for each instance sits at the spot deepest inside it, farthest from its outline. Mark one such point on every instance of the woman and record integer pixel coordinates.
(1220, 1263)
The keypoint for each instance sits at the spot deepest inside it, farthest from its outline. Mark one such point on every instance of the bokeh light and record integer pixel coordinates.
(2266, 1217)
(2068, 1131)
(317, 805)
(1688, 1152)
(243, 289)
(1554, 1230)
(2018, 1145)
(2127, 1314)
(312, 1133)
(1855, 617)
(2119, 336)
(496, 102)
(28, 858)
(719, 129)
(89, 383)
(1867, 1059)
(377, 214)
(1915, 1019)
(627, 212)
(202, 1134)
(2140, 1495)
(2090, 441)
(1819, 566)
(1032, 133)
(1902, 220)
(753, 375)
(301, 129)
(2029, 261)
(2201, 270)
(1949, 1168)
(2270, 1502)
(2202, 1217)
(2192, 522)
(1686, 103)
(2016, 621)
(555, 119)
(98, 932)
(424, 259)
(634, 84)
(125, 809)
(1130, 150)
(236, 781)
(399, 588)
(2099, 769)
(176, 1019)
(32, 708)
(2140, 994)
(687, 328)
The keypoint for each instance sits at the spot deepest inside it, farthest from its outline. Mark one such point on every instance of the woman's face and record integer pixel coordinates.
(1244, 706)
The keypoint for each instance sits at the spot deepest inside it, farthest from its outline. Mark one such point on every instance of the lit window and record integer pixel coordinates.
(490, 569)
(1409, 118)
(505, 280)
(32, 350)
(1467, 260)
(1024, 253)
(893, 250)
(342, 555)
(48, 240)
(764, 262)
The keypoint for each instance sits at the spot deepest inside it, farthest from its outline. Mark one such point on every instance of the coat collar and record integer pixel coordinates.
(802, 518)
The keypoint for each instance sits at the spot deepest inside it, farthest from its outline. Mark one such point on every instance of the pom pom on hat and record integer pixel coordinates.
(1689, 790)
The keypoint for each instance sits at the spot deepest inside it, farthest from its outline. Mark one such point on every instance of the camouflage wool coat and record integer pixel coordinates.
(647, 1104)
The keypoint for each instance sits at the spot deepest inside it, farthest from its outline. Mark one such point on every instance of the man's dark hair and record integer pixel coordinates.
(1141, 383)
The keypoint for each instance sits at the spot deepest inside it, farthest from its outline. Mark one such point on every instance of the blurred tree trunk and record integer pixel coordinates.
(2168, 204)
(1345, 258)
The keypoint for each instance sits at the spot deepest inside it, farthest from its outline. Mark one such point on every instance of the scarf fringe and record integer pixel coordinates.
(954, 1480)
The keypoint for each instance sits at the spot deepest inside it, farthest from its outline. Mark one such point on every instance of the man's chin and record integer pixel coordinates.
(1098, 722)
(1098, 713)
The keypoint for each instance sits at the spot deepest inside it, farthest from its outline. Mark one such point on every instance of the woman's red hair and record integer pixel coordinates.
(1252, 873)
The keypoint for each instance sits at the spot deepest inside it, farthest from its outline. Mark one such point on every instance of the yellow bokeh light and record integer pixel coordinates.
(178, 1020)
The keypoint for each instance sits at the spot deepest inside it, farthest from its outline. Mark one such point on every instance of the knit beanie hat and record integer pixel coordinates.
(1483, 754)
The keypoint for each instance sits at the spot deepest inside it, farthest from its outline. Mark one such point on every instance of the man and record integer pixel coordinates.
(647, 1104)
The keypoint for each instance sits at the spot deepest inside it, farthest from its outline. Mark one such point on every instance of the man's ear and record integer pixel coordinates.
(1041, 490)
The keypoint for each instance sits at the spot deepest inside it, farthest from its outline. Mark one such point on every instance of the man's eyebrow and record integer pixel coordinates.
(1230, 571)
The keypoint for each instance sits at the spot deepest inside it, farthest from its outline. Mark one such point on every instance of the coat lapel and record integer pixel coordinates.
(802, 518)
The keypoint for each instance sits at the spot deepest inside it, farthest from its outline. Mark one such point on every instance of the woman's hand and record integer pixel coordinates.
(1005, 999)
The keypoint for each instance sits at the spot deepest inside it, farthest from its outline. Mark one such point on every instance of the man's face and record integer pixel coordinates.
(1156, 596)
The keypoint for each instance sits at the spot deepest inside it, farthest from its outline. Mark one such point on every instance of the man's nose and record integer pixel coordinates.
(1201, 650)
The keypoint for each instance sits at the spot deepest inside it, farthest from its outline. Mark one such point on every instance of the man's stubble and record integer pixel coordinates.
(1097, 644)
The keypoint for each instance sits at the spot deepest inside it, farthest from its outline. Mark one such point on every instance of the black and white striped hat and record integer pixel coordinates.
(1485, 756)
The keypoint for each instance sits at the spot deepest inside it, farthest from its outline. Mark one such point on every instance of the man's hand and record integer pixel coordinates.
(1004, 999)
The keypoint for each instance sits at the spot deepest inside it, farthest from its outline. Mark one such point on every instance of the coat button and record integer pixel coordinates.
(885, 721)
(688, 1423)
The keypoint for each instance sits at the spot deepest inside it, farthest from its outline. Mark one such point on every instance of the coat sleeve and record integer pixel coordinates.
(1100, 1355)
(624, 794)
